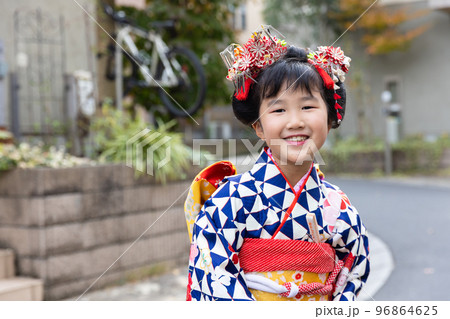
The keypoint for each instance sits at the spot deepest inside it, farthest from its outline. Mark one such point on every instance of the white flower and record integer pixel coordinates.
(220, 279)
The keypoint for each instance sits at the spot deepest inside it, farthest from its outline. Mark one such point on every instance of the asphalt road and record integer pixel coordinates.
(413, 218)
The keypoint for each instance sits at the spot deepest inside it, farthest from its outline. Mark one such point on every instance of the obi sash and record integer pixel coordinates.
(280, 269)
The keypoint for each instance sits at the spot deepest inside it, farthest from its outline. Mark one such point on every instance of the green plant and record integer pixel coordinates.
(5, 135)
(114, 130)
(413, 154)
(25, 155)
(420, 154)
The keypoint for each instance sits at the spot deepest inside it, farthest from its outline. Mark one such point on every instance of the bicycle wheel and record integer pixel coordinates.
(186, 98)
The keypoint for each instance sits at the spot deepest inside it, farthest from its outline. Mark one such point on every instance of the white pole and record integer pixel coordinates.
(118, 72)
(3, 73)
(386, 97)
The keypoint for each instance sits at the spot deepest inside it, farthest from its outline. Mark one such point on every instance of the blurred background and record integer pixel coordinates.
(81, 209)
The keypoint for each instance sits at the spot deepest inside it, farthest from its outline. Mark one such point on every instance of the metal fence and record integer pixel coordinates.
(37, 85)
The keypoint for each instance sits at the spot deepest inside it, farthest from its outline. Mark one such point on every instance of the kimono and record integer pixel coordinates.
(258, 208)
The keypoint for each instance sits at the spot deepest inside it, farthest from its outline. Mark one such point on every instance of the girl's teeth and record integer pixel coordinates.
(297, 138)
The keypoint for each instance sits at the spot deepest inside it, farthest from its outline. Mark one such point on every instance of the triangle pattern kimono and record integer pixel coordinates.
(253, 205)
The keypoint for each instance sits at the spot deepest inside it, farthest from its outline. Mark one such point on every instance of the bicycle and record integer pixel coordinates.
(176, 72)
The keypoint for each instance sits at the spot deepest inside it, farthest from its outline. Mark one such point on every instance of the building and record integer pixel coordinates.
(416, 78)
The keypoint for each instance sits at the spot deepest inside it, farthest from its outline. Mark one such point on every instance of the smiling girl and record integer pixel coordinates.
(278, 231)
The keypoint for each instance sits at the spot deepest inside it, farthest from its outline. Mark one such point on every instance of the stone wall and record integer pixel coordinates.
(71, 226)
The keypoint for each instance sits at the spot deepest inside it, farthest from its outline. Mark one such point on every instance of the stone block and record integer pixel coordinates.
(22, 211)
(135, 253)
(165, 196)
(101, 260)
(32, 211)
(10, 211)
(133, 226)
(101, 232)
(32, 267)
(137, 199)
(68, 267)
(63, 238)
(21, 182)
(104, 203)
(168, 246)
(63, 208)
(102, 177)
(170, 220)
(21, 289)
(6, 263)
(62, 180)
(155, 197)
(24, 241)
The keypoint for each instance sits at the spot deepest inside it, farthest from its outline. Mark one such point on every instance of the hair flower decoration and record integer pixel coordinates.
(332, 65)
(244, 63)
(332, 60)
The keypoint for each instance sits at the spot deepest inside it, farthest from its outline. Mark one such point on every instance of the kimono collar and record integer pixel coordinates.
(267, 171)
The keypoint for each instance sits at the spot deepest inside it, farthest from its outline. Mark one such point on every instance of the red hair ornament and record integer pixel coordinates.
(332, 64)
(265, 46)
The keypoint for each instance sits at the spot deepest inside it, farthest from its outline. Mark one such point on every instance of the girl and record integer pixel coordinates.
(278, 231)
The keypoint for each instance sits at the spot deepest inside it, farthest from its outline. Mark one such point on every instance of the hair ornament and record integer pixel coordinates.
(265, 46)
(332, 65)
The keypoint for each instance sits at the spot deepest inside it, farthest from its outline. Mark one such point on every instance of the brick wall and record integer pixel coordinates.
(68, 226)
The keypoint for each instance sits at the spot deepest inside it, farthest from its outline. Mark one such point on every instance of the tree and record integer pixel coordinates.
(380, 30)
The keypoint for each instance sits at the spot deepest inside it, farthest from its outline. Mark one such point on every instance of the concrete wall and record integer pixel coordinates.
(68, 226)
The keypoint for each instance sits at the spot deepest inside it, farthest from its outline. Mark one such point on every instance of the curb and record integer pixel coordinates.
(381, 264)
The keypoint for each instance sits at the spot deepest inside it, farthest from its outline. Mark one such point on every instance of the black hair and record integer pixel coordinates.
(293, 70)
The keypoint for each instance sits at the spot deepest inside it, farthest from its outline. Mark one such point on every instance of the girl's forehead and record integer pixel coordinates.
(295, 92)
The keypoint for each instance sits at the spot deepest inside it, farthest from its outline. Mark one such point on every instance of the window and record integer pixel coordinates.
(240, 17)
(392, 86)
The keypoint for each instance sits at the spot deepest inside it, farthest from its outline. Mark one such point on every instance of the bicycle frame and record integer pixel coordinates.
(159, 52)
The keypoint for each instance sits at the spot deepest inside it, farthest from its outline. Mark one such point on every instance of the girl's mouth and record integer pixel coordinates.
(296, 140)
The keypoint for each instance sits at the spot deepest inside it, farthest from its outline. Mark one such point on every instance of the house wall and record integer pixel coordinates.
(422, 73)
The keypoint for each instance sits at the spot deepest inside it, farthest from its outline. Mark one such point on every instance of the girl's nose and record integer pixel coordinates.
(295, 121)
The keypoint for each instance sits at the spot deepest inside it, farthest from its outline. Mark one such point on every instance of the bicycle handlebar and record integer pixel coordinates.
(118, 16)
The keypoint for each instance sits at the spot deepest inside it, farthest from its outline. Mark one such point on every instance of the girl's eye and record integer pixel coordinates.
(278, 111)
(307, 107)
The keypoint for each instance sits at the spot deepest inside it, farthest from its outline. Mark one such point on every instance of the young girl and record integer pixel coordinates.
(278, 231)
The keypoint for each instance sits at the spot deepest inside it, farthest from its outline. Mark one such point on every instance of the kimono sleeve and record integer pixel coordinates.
(351, 244)
(214, 270)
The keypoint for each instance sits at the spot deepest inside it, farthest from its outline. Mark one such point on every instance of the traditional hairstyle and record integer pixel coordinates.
(265, 64)
(292, 70)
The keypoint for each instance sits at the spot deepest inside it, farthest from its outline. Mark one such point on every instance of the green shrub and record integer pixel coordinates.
(114, 130)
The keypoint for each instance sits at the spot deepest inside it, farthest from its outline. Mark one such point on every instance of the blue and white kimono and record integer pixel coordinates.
(254, 205)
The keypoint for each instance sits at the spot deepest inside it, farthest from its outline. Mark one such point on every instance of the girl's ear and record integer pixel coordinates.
(258, 129)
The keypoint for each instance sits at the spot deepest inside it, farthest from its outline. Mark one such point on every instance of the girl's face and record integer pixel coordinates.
(294, 124)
